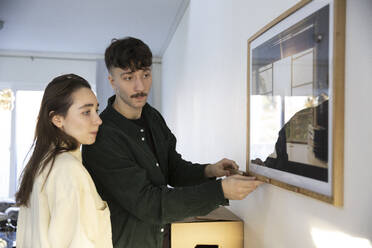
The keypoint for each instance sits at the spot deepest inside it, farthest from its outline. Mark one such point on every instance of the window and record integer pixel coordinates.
(6, 105)
(27, 110)
(17, 126)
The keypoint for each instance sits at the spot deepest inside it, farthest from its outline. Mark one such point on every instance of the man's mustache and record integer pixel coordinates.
(138, 95)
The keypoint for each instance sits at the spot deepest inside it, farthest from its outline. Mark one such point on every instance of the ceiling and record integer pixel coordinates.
(87, 26)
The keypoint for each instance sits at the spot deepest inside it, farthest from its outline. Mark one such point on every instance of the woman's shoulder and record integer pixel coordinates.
(67, 169)
(67, 161)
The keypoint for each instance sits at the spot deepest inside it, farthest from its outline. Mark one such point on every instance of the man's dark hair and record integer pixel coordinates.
(128, 53)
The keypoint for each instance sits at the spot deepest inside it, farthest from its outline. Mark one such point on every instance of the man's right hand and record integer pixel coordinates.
(237, 187)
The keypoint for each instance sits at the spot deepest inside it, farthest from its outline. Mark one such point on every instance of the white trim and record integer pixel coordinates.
(50, 55)
(156, 60)
(59, 55)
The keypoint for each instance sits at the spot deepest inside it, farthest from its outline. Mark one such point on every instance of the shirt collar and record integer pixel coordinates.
(127, 126)
(123, 123)
(77, 154)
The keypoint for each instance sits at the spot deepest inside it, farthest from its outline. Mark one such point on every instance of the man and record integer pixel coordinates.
(134, 159)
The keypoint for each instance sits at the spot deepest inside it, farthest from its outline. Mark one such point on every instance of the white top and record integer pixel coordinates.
(67, 211)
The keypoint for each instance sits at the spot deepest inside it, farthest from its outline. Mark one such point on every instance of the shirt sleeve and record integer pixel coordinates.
(123, 180)
(72, 209)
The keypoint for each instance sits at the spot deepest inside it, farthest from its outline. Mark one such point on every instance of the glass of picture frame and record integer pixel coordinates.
(295, 100)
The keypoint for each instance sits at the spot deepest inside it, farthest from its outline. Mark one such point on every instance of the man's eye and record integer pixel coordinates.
(127, 78)
(86, 112)
(146, 75)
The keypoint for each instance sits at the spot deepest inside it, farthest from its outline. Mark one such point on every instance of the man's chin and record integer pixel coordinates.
(139, 104)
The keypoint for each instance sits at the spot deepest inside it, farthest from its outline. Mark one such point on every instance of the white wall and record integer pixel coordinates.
(155, 93)
(204, 103)
(104, 89)
(31, 69)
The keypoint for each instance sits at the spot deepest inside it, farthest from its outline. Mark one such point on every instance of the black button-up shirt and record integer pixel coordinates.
(133, 180)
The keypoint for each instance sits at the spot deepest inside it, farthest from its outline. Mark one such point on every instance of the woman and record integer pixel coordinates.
(59, 204)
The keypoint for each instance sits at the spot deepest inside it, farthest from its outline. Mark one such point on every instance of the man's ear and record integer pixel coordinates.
(111, 80)
(57, 121)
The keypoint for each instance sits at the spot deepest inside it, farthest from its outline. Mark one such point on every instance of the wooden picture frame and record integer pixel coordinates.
(295, 100)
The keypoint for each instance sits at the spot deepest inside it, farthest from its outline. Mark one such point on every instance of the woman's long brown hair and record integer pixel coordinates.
(49, 141)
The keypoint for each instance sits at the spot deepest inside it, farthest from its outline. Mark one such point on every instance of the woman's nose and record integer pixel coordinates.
(97, 120)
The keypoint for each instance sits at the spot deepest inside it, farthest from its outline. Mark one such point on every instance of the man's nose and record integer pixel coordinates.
(139, 85)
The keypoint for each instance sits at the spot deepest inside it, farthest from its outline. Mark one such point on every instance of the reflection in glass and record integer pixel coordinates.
(289, 99)
(265, 79)
(266, 122)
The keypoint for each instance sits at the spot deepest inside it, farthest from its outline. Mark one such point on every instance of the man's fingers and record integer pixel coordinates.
(235, 166)
(225, 173)
(241, 177)
(238, 187)
(258, 183)
(249, 184)
(227, 163)
(248, 178)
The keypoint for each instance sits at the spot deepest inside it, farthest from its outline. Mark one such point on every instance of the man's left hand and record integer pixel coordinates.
(221, 168)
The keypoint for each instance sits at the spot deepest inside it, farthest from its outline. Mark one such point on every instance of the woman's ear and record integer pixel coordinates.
(57, 120)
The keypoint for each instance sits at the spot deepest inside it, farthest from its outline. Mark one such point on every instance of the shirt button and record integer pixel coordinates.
(143, 138)
(157, 164)
(162, 230)
(141, 130)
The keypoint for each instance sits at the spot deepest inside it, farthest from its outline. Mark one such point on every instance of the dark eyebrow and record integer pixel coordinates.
(145, 69)
(88, 105)
(124, 73)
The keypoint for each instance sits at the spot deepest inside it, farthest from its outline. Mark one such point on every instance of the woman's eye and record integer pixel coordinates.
(86, 112)
(97, 110)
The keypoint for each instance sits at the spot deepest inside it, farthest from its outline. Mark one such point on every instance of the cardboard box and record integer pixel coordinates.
(220, 228)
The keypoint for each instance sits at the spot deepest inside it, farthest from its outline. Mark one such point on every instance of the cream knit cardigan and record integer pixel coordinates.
(67, 211)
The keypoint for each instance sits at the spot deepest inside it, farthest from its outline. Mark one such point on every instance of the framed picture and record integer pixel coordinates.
(295, 134)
